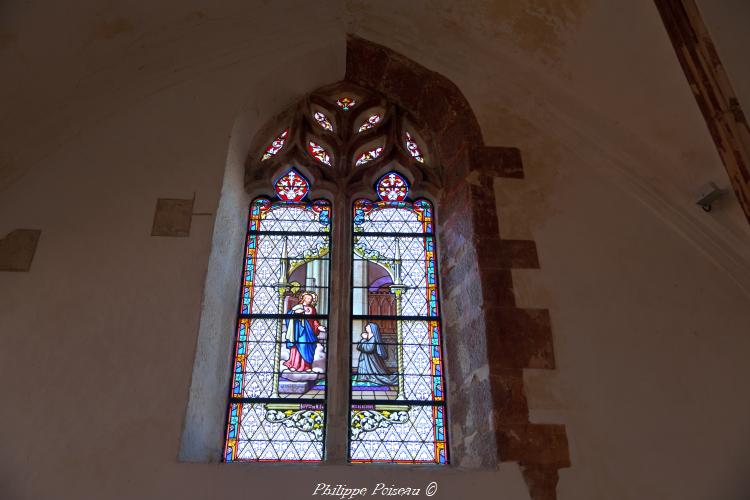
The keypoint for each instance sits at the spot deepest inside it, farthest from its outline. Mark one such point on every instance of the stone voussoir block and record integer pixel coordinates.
(509, 404)
(541, 481)
(365, 62)
(497, 253)
(537, 444)
(483, 209)
(497, 287)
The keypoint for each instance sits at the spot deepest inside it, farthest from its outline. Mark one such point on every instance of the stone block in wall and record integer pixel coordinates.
(172, 217)
(541, 481)
(483, 208)
(466, 344)
(509, 404)
(453, 148)
(437, 104)
(455, 209)
(497, 287)
(497, 253)
(538, 444)
(403, 83)
(518, 338)
(365, 62)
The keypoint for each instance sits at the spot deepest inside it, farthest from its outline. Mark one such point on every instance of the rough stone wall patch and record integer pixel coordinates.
(483, 327)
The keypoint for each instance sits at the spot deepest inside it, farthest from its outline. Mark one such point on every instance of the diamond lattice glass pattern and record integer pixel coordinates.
(275, 432)
(398, 434)
(397, 386)
(278, 389)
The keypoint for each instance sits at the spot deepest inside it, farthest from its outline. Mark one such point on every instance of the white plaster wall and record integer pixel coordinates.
(109, 108)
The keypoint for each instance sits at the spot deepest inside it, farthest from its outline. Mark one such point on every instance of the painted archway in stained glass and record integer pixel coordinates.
(278, 394)
(398, 412)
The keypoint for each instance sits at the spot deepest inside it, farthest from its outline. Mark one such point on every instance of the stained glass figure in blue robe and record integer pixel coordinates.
(302, 334)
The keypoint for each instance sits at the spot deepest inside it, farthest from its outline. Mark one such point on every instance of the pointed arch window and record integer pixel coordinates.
(381, 306)
(278, 395)
(397, 395)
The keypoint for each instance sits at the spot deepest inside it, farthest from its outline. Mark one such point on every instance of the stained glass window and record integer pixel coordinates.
(413, 148)
(398, 409)
(368, 156)
(319, 153)
(323, 121)
(371, 121)
(275, 145)
(346, 103)
(278, 392)
(279, 403)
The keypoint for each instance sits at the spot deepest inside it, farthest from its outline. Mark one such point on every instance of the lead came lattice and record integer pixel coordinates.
(278, 391)
(397, 409)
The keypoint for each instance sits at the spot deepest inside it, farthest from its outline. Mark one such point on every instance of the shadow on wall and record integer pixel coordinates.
(283, 84)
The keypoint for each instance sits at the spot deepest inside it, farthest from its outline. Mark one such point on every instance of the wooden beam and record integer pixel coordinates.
(712, 90)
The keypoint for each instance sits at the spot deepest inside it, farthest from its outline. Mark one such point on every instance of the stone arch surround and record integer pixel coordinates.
(488, 346)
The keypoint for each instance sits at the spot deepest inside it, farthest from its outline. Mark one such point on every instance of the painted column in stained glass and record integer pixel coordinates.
(278, 389)
(398, 409)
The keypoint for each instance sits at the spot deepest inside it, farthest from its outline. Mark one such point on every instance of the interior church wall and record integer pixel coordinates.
(726, 21)
(120, 105)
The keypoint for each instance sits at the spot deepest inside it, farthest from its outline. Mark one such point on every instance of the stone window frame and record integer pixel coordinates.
(341, 183)
(488, 340)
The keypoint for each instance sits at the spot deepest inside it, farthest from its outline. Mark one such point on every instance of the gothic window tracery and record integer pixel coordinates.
(275, 145)
(340, 141)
